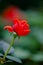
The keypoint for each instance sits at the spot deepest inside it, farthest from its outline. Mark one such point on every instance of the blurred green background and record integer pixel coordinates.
(29, 48)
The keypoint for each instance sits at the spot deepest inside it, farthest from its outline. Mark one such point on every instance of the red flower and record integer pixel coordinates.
(12, 12)
(20, 27)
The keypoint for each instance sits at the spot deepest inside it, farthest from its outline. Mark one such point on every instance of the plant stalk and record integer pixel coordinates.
(12, 42)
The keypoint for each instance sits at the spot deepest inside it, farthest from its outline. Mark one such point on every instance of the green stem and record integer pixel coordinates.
(12, 42)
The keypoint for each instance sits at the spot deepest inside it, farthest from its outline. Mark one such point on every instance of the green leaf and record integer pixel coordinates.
(8, 61)
(14, 59)
(1, 54)
(4, 46)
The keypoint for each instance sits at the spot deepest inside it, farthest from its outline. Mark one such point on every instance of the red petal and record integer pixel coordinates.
(16, 21)
(24, 21)
(26, 32)
(9, 28)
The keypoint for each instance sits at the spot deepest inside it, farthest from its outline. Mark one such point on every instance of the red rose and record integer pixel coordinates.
(20, 27)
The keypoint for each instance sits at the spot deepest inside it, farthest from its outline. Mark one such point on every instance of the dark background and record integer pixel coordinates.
(23, 4)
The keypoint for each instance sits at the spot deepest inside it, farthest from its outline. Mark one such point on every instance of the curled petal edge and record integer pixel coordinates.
(9, 28)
